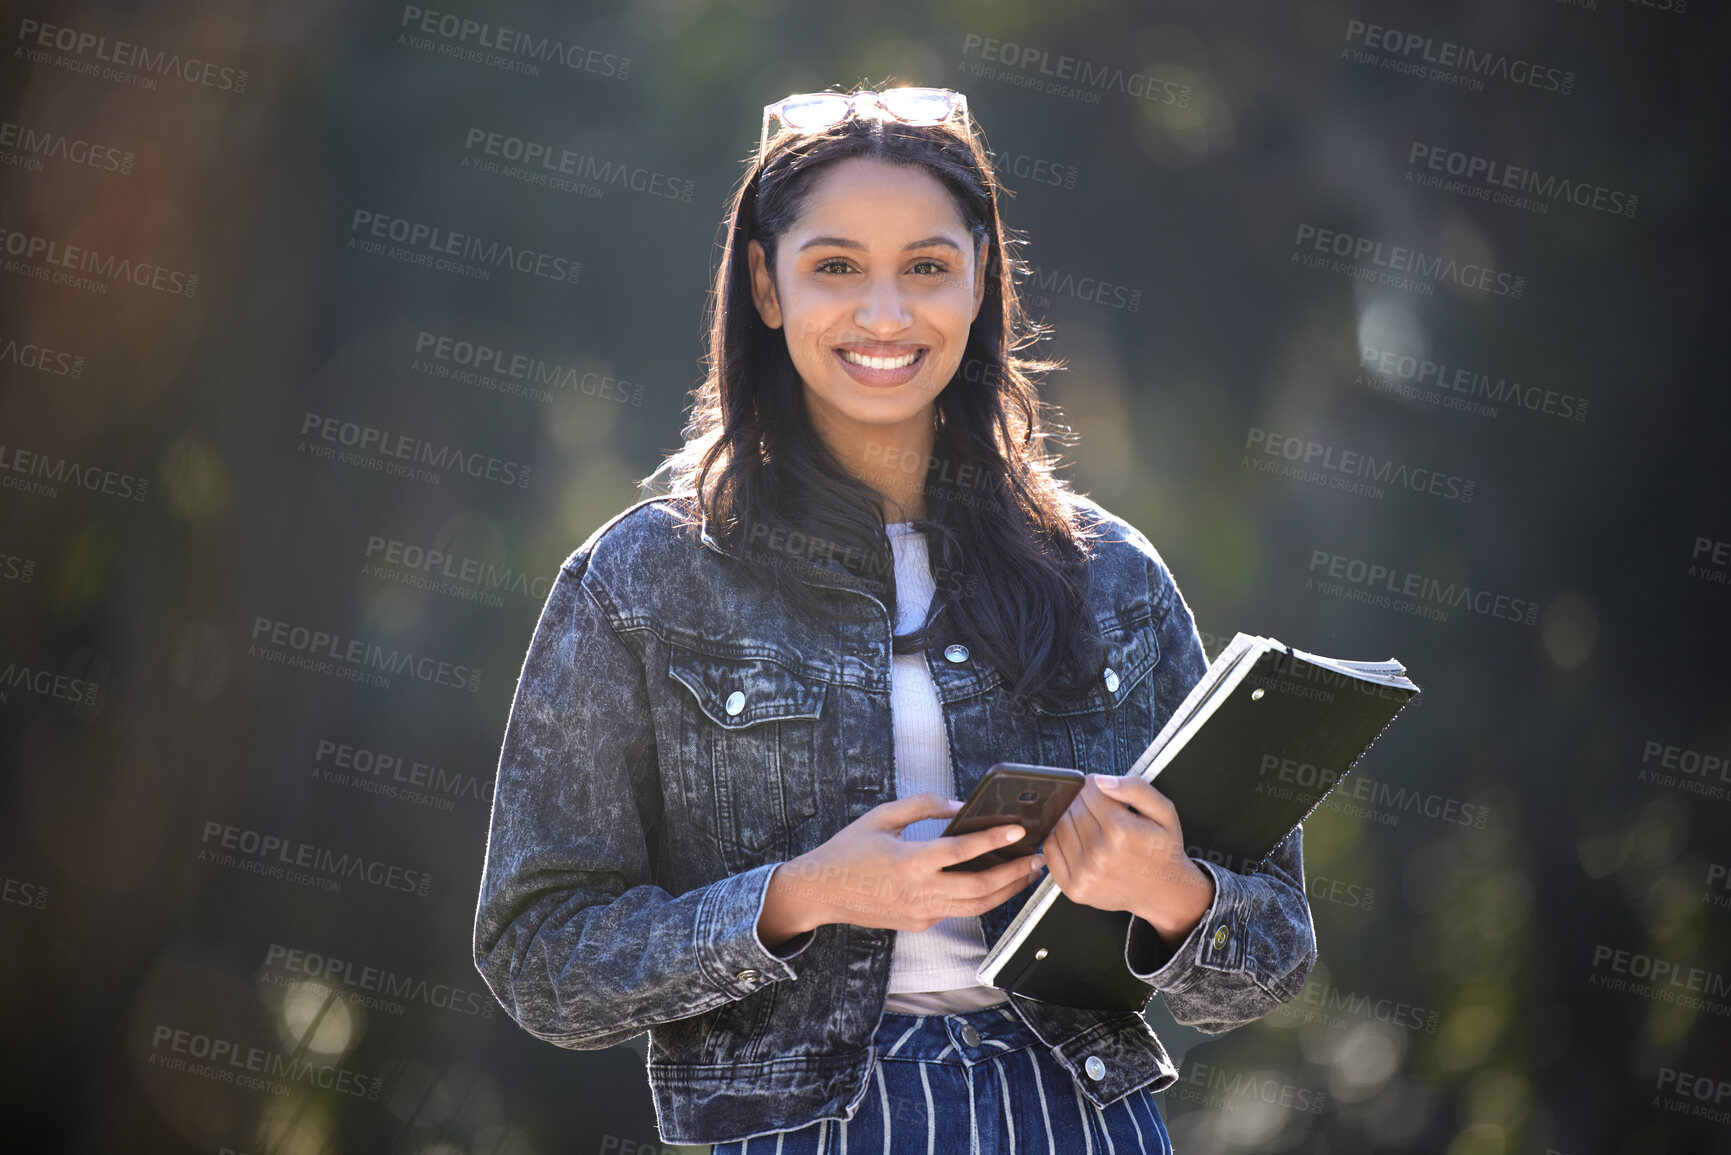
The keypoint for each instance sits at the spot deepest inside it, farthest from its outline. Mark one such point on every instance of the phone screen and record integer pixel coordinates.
(1033, 796)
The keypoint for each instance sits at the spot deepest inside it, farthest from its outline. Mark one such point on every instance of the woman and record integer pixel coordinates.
(750, 705)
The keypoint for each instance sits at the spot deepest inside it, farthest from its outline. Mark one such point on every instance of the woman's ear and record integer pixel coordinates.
(762, 285)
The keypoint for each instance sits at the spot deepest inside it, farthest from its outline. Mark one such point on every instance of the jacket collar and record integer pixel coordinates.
(824, 571)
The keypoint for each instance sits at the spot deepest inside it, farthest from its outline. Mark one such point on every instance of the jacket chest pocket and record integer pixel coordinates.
(749, 737)
(1108, 729)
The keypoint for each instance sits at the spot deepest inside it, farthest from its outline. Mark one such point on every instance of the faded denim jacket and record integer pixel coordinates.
(676, 734)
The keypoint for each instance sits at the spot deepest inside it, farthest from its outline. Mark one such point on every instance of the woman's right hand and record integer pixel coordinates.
(867, 874)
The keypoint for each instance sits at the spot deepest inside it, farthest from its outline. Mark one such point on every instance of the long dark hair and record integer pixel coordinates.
(1008, 551)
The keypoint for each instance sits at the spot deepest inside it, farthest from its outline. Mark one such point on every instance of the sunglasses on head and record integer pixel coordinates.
(816, 111)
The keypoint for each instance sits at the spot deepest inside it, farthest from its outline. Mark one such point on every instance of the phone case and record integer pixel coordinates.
(1035, 796)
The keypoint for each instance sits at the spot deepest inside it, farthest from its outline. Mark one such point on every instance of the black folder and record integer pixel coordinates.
(1261, 739)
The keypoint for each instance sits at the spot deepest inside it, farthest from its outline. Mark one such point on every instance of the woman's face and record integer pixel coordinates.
(876, 286)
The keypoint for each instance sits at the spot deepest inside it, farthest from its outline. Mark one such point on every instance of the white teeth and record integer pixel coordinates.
(880, 362)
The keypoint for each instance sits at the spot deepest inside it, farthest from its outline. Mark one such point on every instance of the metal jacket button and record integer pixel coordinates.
(735, 702)
(956, 652)
(748, 975)
(1111, 680)
(1220, 937)
(1095, 1067)
(969, 1035)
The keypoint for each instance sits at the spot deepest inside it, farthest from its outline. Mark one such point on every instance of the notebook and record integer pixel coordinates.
(1256, 745)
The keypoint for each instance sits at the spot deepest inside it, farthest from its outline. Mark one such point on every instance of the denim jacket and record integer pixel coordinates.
(676, 734)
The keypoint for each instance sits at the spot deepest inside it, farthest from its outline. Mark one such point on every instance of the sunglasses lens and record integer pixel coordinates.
(919, 105)
(818, 110)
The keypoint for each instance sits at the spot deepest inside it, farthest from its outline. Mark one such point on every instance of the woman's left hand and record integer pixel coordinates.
(1104, 854)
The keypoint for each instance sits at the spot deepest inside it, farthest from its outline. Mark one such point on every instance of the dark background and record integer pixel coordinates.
(1523, 914)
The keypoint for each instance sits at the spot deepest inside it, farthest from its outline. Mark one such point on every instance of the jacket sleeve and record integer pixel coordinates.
(1254, 946)
(572, 934)
(1250, 952)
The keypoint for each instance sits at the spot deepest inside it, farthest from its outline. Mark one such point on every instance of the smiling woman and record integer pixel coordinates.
(750, 705)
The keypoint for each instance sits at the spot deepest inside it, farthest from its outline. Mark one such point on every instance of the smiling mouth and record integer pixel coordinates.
(900, 361)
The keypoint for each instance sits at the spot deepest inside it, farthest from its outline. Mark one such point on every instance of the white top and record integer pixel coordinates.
(931, 971)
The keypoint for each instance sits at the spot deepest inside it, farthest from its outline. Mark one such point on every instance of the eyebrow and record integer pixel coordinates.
(846, 243)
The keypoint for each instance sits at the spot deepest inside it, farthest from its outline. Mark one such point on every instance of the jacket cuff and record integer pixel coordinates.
(1215, 943)
(728, 946)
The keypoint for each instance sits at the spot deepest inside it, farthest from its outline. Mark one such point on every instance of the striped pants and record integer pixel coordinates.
(976, 1081)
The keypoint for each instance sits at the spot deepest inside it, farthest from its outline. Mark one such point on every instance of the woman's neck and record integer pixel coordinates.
(892, 459)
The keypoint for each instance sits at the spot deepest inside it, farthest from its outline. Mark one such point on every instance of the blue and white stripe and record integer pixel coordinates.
(926, 1099)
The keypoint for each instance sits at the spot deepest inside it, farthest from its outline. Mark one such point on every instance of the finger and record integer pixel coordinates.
(1004, 894)
(1057, 863)
(1016, 871)
(1062, 845)
(1152, 807)
(1144, 796)
(980, 902)
(905, 811)
(961, 847)
(1095, 813)
(1067, 837)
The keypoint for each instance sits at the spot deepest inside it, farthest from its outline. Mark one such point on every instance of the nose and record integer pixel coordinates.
(881, 309)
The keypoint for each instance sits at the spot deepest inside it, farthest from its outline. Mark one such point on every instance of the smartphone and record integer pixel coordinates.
(1033, 796)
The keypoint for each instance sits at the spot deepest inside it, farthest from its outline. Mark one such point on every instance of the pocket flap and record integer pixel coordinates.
(1132, 650)
(758, 689)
